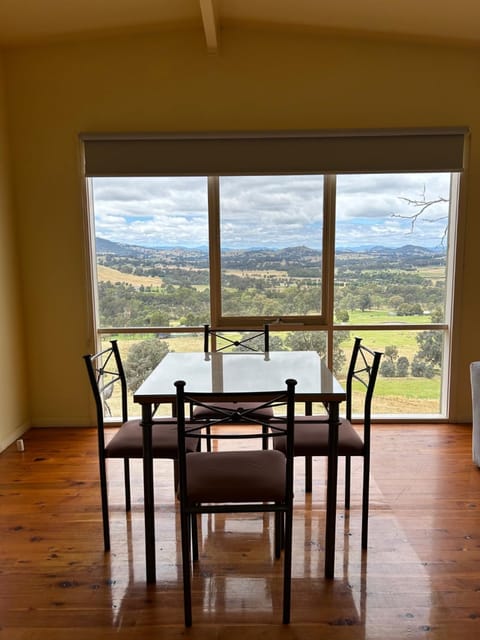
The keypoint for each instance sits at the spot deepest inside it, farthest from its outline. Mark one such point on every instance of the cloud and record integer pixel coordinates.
(269, 210)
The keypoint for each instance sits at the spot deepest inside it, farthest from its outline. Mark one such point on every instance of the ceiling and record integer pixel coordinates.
(33, 21)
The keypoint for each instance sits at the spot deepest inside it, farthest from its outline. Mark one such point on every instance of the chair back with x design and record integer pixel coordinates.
(250, 340)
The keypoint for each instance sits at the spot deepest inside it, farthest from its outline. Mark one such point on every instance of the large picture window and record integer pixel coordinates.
(319, 256)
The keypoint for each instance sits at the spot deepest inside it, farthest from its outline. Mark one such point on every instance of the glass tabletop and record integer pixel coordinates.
(225, 373)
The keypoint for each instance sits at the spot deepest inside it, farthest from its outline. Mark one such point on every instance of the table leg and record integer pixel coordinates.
(331, 516)
(148, 498)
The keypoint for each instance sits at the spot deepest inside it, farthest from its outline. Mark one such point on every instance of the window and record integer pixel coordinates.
(321, 256)
(151, 245)
(271, 253)
(392, 281)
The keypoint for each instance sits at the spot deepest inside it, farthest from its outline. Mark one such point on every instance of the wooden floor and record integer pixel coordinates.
(419, 579)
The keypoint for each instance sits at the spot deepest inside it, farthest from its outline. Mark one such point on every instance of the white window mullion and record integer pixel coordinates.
(330, 195)
(214, 249)
(454, 270)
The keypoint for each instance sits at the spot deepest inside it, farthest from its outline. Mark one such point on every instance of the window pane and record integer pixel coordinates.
(271, 245)
(140, 354)
(151, 251)
(410, 376)
(391, 248)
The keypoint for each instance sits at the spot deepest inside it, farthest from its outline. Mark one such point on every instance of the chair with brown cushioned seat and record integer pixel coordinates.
(236, 479)
(311, 432)
(106, 373)
(215, 340)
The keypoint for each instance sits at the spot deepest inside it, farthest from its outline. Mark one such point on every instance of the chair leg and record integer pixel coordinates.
(265, 440)
(308, 474)
(308, 459)
(126, 471)
(348, 473)
(175, 475)
(287, 568)
(194, 528)
(282, 531)
(279, 533)
(104, 498)
(187, 588)
(365, 500)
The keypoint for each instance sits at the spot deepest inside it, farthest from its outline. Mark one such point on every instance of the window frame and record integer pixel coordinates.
(324, 322)
(282, 321)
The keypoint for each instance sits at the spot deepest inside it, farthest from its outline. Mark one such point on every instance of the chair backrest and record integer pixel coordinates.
(105, 373)
(364, 365)
(250, 340)
(246, 423)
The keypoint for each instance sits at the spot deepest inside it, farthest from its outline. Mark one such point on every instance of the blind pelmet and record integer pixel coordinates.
(274, 153)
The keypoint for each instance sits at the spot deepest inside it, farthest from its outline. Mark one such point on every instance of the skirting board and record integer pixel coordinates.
(9, 439)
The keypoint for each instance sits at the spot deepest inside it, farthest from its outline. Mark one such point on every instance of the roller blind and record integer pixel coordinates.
(380, 151)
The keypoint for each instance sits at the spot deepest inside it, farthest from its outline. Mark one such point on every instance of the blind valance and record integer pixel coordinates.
(377, 151)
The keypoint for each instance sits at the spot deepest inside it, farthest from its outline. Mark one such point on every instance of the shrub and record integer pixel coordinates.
(421, 369)
(402, 367)
(387, 369)
(142, 360)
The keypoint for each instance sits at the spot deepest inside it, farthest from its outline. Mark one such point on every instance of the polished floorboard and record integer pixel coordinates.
(419, 579)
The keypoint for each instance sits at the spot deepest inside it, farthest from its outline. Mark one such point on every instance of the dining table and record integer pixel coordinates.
(223, 375)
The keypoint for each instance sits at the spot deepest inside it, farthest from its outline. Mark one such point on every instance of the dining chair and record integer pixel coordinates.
(227, 478)
(219, 340)
(254, 341)
(106, 374)
(311, 432)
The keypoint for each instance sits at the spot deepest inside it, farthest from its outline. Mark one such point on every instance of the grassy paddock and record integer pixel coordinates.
(393, 396)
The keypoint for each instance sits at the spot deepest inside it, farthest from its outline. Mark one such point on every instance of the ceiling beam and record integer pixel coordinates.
(209, 18)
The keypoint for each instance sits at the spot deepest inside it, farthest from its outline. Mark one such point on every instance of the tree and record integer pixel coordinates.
(420, 369)
(394, 366)
(391, 352)
(402, 367)
(142, 359)
(387, 369)
(396, 301)
(307, 341)
(316, 341)
(157, 318)
(276, 343)
(364, 301)
(409, 309)
(430, 347)
(419, 207)
(342, 315)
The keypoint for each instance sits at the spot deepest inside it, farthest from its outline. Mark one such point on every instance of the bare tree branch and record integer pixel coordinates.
(421, 205)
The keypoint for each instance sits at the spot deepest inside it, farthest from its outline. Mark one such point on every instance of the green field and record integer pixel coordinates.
(393, 396)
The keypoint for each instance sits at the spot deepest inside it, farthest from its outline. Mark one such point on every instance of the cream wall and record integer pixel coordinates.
(167, 82)
(14, 418)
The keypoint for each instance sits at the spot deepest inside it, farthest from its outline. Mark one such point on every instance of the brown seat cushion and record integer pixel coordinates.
(311, 438)
(236, 476)
(128, 440)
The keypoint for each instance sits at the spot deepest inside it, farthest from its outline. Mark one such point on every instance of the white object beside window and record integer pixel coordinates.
(475, 382)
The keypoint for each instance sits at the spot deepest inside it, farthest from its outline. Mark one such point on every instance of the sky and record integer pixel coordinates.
(271, 211)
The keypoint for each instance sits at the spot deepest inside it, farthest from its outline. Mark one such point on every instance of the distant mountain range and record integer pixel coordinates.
(104, 246)
(297, 261)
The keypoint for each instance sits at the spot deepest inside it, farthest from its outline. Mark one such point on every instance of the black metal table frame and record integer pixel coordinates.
(331, 402)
